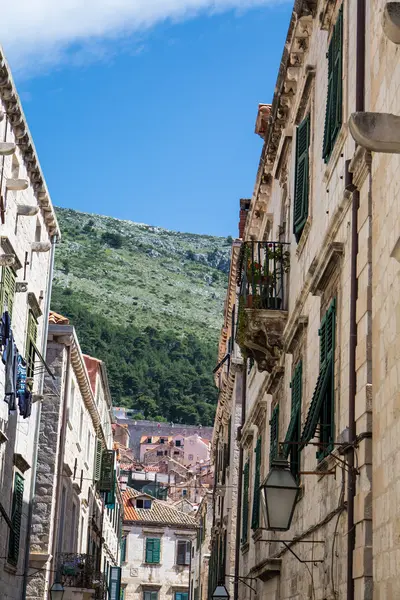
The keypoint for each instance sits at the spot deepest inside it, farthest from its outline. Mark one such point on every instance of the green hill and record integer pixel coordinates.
(148, 302)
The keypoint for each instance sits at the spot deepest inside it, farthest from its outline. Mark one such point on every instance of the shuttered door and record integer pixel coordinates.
(153, 550)
(16, 518)
(245, 509)
(97, 458)
(7, 289)
(302, 177)
(30, 345)
(333, 114)
(274, 432)
(255, 520)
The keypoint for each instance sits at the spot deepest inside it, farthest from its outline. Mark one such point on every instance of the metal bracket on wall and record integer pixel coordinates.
(287, 542)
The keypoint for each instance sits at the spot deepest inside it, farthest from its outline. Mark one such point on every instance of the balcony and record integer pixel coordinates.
(79, 575)
(263, 269)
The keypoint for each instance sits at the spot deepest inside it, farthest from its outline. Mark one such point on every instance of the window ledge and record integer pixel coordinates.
(10, 568)
(304, 237)
(336, 152)
(257, 534)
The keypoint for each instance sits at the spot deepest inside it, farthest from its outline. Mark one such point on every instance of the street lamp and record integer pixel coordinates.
(220, 593)
(57, 589)
(280, 493)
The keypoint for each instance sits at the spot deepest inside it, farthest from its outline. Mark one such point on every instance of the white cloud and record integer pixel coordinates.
(38, 33)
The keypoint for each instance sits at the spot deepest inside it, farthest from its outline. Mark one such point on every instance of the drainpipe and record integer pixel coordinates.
(351, 480)
(240, 485)
(38, 415)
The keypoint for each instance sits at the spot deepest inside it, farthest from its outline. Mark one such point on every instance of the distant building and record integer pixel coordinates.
(187, 450)
(78, 505)
(201, 554)
(156, 549)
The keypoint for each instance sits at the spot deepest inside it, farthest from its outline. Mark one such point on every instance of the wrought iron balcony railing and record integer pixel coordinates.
(262, 275)
(79, 571)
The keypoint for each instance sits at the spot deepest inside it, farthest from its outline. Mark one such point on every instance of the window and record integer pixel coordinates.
(181, 596)
(153, 550)
(82, 534)
(81, 425)
(73, 526)
(321, 409)
(190, 457)
(245, 503)
(183, 553)
(88, 445)
(7, 289)
(178, 443)
(274, 433)
(300, 204)
(143, 503)
(38, 231)
(71, 401)
(16, 518)
(30, 345)
(150, 596)
(160, 453)
(61, 521)
(255, 519)
(176, 452)
(97, 464)
(293, 434)
(333, 116)
(162, 441)
(123, 548)
(184, 493)
(149, 440)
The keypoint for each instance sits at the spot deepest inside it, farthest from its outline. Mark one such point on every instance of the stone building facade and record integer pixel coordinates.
(78, 506)
(28, 232)
(317, 320)
(201, 549)
(157, 547)
(225, 447)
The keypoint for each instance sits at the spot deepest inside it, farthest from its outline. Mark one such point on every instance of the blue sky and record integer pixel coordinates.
(157, 126)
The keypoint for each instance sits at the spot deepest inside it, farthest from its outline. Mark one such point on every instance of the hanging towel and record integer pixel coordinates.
(11, 374)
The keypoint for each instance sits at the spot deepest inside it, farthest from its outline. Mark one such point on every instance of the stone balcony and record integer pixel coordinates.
(263, 301)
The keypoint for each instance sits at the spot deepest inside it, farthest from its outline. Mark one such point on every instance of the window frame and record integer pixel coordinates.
(187, 544)
(255, 518)
(334, 97)
(7, 289)
(14, 540)
(302, 177)
(245, 502)
(31, 338)
(147, 550)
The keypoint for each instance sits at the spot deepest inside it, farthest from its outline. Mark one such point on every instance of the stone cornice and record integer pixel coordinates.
(293, 66)
(294, 333)
(19, 126)
(327, 264)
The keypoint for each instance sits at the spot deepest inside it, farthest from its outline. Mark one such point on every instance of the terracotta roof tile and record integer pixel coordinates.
(160, 512)
(57, 319)
(92, 366)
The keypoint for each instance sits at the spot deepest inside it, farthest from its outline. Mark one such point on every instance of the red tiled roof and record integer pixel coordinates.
(152, 469)
(57, 319)
(160, 512)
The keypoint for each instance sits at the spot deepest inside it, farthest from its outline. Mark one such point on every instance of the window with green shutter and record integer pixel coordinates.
(97, 460)
(150, 596)
(255, 519)
(123, 548)
(31, 337)
(333, 115)
(274, 434)
(16, 518)
(300, 210)
(245, 503)
(7, 289)
(293, 434)
(322, 409)
(153, 550)
(182, 595)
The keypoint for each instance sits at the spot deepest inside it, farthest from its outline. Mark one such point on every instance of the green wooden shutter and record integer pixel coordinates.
(293, 433)
(16, 518)
(123, 548)
(156, 550)
(274, 433)
(154, 596)
(255, 519)
(153, 550)
(31, 338)
(7, 289)
(302, 177)
(115, 583)
(245, 504)
(325, 377)
(97, 458)
(149, 550)
(333, 115)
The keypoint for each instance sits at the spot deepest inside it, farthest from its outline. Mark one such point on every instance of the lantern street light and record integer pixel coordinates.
(57, 591)
(220, 593)
(280, 493)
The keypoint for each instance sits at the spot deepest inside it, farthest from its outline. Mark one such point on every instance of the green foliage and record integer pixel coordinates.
(114, 240)
(229, 240)
(150, 305)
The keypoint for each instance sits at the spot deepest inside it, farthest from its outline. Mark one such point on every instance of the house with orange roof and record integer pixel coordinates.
(156, 549)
